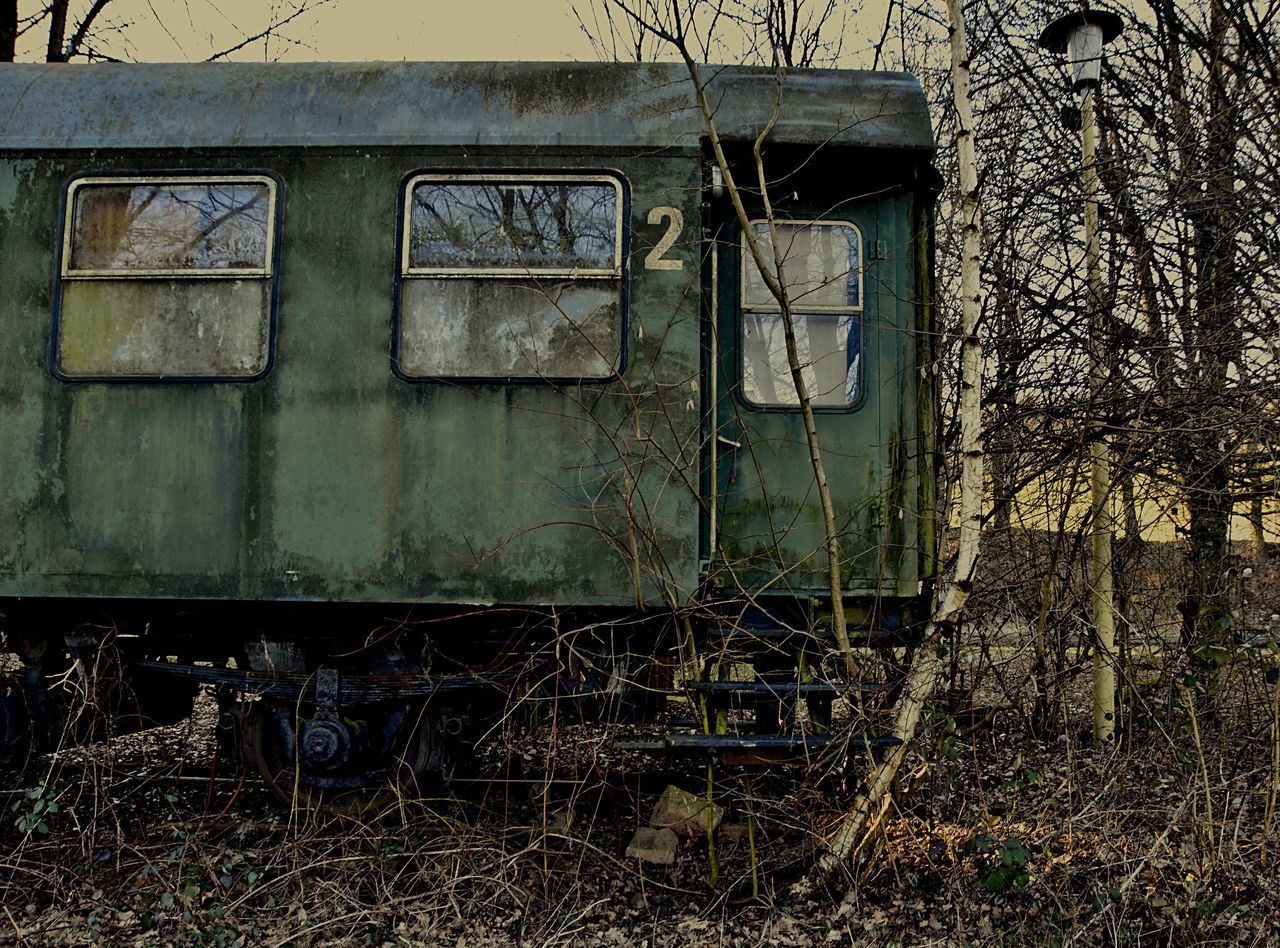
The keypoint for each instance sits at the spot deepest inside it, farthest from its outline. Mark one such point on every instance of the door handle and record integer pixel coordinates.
(722, 441)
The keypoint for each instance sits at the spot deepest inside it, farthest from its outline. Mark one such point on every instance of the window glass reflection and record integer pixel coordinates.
(534, 226)
(830, 350)
(170, 227)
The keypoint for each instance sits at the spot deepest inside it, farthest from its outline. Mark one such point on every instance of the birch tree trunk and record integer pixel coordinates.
(927, 664)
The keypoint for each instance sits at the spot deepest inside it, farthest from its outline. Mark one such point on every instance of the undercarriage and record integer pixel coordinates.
(346, 707)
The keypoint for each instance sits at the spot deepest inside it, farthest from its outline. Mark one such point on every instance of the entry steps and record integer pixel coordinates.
(776, 711)
(768, 688)
(771, 700)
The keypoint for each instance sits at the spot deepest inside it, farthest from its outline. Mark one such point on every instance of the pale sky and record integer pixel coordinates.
(176, 30)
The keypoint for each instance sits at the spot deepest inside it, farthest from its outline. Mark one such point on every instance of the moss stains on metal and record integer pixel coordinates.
(332, 478)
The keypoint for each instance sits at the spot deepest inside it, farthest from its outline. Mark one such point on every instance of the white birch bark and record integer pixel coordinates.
(926, 666)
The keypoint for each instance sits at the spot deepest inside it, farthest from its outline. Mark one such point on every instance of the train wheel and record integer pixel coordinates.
(355, 764)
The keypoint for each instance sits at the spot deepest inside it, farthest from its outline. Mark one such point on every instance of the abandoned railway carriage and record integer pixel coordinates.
(372, 394)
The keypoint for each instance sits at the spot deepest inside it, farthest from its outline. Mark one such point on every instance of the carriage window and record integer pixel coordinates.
(822, 274)
(511, 278)
(166, 278)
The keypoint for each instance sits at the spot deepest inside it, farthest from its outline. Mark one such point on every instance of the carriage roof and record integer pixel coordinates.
(527, 105)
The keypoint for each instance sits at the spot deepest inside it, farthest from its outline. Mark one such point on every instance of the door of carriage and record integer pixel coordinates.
(846, 270)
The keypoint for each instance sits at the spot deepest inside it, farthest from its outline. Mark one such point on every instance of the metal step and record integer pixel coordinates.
(780, 689)
(775, 634)
(784, 743)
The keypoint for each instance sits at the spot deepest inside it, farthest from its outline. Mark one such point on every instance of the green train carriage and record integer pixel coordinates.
(353, 389)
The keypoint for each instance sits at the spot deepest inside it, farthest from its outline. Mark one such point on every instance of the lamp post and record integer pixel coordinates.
(1081, 36)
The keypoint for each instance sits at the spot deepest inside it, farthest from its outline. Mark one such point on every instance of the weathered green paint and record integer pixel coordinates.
(330, 478)
(927, 395)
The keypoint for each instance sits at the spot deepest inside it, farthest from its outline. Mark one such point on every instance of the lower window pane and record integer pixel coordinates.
(164, 327)
(463, 328)
(830, 350)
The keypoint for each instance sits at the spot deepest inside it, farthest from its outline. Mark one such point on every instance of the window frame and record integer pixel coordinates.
(270, 271)
(773, 309)
(620, 271)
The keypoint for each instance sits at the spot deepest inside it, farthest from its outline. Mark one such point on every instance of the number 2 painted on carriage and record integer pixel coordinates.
(655, 259)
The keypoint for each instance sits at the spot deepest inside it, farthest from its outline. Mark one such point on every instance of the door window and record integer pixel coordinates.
(822, 278)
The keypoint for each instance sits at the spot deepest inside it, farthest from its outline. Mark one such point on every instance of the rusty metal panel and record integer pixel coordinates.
(523, 105)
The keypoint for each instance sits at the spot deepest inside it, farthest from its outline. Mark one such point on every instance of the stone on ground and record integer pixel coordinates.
(684, 813)
(560, 822)
(653, 845)
(732, 832)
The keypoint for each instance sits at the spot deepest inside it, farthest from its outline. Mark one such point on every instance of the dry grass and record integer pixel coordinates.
(1008, 828)
(1142, 842)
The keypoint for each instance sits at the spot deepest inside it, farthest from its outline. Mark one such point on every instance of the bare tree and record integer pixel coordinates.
(682, 32)
(86, 32)
(1188, 174)
(690, 31)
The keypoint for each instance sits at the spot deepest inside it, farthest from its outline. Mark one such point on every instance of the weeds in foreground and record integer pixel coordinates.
(997, 837)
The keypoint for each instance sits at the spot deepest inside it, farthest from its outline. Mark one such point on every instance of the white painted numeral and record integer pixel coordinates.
(656, 259)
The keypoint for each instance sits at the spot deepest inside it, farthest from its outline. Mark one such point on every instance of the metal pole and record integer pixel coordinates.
(1100, 573)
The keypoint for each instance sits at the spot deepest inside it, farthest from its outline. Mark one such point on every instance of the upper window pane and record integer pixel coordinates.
(170, 228)
(821, 264)
(505, 226)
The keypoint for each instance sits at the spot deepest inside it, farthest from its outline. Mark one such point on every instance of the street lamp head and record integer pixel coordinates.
(1081, 35)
